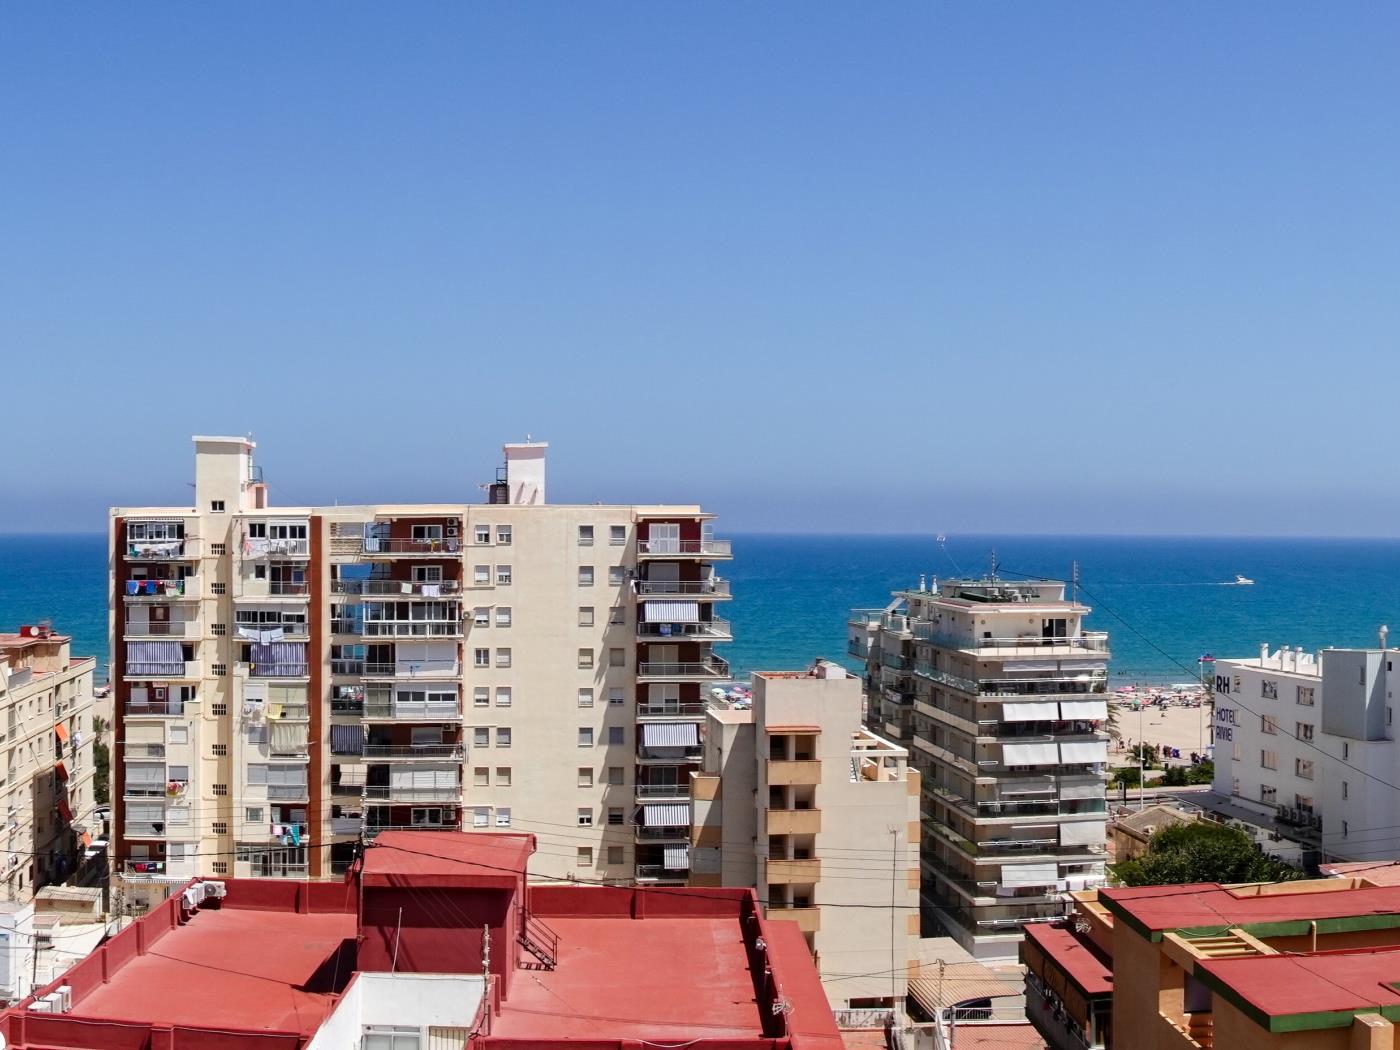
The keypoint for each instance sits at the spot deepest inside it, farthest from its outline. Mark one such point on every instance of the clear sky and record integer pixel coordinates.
(1014, 267)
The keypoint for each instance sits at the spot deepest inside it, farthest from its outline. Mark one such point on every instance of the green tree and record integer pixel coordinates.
(102, 767)
(1202, 851)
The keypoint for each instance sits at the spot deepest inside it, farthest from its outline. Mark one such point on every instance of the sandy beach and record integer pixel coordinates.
(1162, 717)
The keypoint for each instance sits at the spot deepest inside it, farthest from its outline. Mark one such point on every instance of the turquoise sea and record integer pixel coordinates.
(1161, 600)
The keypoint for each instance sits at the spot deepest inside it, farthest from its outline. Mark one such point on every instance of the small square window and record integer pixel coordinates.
(617, 657)
(585, 658)
(503, 776)
(482, 657)
(615, 855)
(585, 535)
(585, 698)
(617, 775)
(617, 615)
(482, 533)
(216, 506)
(503, 736)
(502, 657)
(481, 776)
(179, 734)
(585, 857)
(481, 696)
(503, 817)
(617, 696)
(585, 818)
(616, 816)
(481, 736)
(253, 815)
(617, 574)
(503, 535)
(502, 575)
(481, 817)
(585, 616)
(617, 734)
(481, 617)
(617, 535)
(503, 616)
(585, 576)
(585, 736)
(503, 696)
(585, 776)
(481, 575)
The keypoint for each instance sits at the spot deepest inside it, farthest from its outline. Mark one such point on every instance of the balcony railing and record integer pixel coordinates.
(346, 706)
(455, 824)
(142, 868)
(392, 793)
(141, 829)
(162, 590)
(413, 751)
(655, 791)
(144, 751)
(412, 629)
(660, 871)
(186, 549)
(1089, 641)
(163, 669)
(673, 710)
(287, 792)
(346, 825)
(658, 834)
(383, 546)
(351, 667)
(411, 711)
(271, 670)
(397, 588)
(161, 629)
(669, 548)
(716, 588)
(670, 754)
(933, 674)
(708, 630)
(430, 669)
(714, 667)
(156, 707)
(258, 547)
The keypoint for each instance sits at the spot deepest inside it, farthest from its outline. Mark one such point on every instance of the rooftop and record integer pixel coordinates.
(1080, 961)
(1301, 987)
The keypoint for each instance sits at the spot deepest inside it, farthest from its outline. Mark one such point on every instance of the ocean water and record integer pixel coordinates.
(1161, 600)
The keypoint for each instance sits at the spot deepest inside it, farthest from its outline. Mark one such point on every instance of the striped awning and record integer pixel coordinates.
(666, 815)
(670, 734)
(352, 774)
(347, 740)
(676, 858)
(671, 612)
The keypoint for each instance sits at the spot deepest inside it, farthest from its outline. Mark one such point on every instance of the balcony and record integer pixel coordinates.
(413, 751)
(265, 669)
(383, 547)
(177, 669)
(1095, 642)
(395, 794)
(707, 631)
(157, 708)
(140, 829)
(794, 821)
(784, 872)
(423, 670)
(161, 629)
(671, 710)
(704, 590)
(143, 752)
(258, 547)
(678, 833)
(858, 648)
(669, 755)
(698, 670)
(136, 870)
(250, 588)
(349, 706)
(660, 873)
(182, 549)
(800, 771)
(411, 711)
(346, 825)
(808, 919)
(412, 628)
(397, 588)
(287, 792)
(450, 824)
(355, 668)
(672, 549)
(663, 792)
(162, 590)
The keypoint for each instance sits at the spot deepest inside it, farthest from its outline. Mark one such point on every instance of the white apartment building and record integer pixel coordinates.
(797, 799)
(46, 781)
(1001, 693)
(1305, 745)
(292, 680)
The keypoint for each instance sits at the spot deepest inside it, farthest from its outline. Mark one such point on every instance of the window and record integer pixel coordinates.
(585, 658)
(503, 616)
(1268, 794)
(1268, 759)
(585, 535)
(1269, 724)
(218, 549)
(1305, 695)
(482, 533)
(585, 576)
(426, 533)
(482, 657)
(1268, 689)
(617, 657)
(220, 630)
(253, 815)
(502, 575)
(481, 575)
(1238, 754)
(617, 574)
(1236, 684)
(617, 535)
(179, 734)
(216, 506)
(616, 775)
(502, 657)
(1345, 829)
(481, 736)
(218, 709)
(1303, 767)
(503, 776)
(585, 857)
(585, 698)
(503, 696)
(1305, 731)
(585, 616)
(615, 855)
(616, 696)
(219, 750)
(481, 817)
(220, 670)
(585, 817)
(503, 535)
(1346, 790)
(481, 776)
(503, 736)
(617, 734)
(481, 617)
(180, 774)
(585, 777)
(220, 790)
(1346, 751)
(585, 736)
(481, 696)
(503, 817)
(617, 615)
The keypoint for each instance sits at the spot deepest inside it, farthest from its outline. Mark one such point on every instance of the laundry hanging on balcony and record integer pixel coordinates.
(670, 734)
(154, 658)
(261, 635)
(671, 612)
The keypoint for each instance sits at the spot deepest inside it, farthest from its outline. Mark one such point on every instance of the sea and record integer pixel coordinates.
(1165, 602)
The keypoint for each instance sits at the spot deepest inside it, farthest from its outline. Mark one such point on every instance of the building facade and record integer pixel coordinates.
(46, 734)
(1002, 695)
(798, 800)
(291, 681)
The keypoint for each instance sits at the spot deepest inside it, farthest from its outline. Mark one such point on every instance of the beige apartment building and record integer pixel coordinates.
(797, 799)
(1002, 695)
(46, 781)
(291, 681)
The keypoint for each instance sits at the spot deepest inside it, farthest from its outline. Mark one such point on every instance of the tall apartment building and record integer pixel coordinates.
(798, 800)
(1305, 747)
(1003, 695)
(291, 680)
(46, 781)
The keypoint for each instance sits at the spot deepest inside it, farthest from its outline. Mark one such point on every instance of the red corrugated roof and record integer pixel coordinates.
(1077, 958)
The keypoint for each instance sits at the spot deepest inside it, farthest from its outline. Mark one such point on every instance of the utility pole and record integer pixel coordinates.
(895, 996)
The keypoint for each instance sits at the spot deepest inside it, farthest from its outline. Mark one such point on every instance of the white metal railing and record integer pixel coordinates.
(412, 710)
(162, 590)
(397, 588)
(258, 547)
(287, 792)
(714, 667)
(669, 547)
(384, 545)
(451, 628)
(162, 550)
(393, 793)
(406, 669)
(161, 629)
(413, 751)
(712, 629)
(694, 588)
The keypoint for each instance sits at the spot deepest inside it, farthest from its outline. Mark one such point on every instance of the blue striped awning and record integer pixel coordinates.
(670, 734)
(671, 612)
(666, 815)
(347, 740)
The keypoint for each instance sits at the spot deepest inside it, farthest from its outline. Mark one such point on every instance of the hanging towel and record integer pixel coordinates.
(296, 834)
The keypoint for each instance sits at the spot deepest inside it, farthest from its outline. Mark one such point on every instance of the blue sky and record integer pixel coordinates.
(899, 267)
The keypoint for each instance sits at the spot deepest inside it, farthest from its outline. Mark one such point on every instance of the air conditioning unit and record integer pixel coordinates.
(452, 530)
(41, 1006)
(65, 994)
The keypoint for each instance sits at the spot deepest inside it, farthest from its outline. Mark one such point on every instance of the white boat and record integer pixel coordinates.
(1243, 581)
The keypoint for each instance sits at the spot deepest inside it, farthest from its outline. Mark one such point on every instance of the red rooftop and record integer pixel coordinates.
(437, 939)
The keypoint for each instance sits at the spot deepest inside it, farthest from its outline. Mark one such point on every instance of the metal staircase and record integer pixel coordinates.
(539, 940)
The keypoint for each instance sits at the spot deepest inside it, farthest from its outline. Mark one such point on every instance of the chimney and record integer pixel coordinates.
(525, 471)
